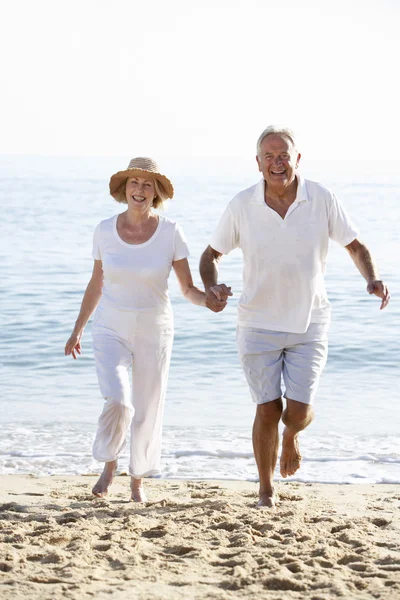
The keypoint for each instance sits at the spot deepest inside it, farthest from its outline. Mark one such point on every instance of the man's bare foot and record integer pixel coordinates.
(137, 490)
(100, 489)
(267, 500)
(290, 456)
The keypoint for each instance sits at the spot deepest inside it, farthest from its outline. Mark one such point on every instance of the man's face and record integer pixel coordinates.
(278, 160)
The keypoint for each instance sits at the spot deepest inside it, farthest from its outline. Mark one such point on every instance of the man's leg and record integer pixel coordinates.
(303, 361)
(297, 416)
(265, 444)
(261, 355)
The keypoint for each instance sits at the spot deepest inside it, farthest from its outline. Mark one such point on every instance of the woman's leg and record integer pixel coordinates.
(113, 360)
(137, 490)
(100, 488)
(151, 359)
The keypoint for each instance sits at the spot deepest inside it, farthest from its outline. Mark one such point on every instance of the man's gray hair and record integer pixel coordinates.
(284, 131)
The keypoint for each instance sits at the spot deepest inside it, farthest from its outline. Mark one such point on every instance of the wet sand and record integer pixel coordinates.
(197, 540)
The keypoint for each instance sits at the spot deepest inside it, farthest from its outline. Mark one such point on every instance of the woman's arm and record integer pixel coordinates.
(90, 300)
(184, 276)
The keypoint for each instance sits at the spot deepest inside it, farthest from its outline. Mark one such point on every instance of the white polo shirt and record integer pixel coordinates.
(284, 259)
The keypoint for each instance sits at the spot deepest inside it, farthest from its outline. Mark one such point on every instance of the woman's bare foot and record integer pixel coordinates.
(267, 500)
(290, 456)
(137, 490)
(100, 489)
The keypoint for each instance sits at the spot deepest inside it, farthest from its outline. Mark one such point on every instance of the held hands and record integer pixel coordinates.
(73, 346)
(217, 297)
(378, 288)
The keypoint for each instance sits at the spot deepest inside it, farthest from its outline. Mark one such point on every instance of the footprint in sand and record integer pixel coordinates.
(241, 539)
(291, 497)
(380, 522)
(205, 494)
(295, 567)
(284, 584)
(155, 532)
(228, 563)
(13, 507)
(341, 527)
(102, 547)
(227, 526)
(180, 550)
(348, 558)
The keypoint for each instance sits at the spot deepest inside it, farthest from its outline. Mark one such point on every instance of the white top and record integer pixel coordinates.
(284, 259)
(136, 275)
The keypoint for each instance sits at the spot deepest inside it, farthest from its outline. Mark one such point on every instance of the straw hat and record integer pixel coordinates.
(141, 167)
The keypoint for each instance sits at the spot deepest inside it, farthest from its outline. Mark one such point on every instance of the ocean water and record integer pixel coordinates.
(49, 403)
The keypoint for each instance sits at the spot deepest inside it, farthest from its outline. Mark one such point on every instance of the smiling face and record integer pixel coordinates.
(278, 160)
(140, 193)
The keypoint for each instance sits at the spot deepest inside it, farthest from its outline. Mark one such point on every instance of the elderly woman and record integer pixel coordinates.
(133, 325)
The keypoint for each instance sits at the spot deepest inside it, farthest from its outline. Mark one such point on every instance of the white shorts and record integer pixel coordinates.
(297, 358)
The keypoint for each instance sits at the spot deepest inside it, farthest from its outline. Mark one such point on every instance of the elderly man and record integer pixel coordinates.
(283, 225)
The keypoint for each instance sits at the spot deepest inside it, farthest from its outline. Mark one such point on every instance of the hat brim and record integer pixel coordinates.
(117, 180)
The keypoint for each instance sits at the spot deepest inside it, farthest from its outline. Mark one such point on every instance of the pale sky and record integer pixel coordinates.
(182, 78)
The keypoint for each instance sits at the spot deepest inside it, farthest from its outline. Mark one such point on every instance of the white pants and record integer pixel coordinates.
(141, 341)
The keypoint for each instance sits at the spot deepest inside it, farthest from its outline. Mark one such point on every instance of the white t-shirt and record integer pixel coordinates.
(284, 259)
(136, 275)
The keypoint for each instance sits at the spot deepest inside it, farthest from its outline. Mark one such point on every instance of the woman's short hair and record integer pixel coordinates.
(283, 131)
(159, 199)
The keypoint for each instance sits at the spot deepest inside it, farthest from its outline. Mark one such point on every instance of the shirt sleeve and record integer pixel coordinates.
(96, 243)
(341, 229)
(181, 249)
(226, 235)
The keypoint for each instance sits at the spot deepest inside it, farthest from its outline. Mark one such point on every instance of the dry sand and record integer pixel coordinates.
(197, 540)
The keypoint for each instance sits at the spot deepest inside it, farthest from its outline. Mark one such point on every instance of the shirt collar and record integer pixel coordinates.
(301, 196)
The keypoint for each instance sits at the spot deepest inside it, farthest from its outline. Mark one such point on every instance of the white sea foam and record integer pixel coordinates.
(199, 453)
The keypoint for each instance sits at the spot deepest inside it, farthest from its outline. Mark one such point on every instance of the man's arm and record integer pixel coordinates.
(216, 295)
(363, 260)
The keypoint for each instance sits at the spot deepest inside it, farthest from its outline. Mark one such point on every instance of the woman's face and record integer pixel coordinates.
(140, 193)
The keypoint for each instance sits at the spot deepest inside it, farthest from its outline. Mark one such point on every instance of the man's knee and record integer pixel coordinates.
(297, 413)
(270, 412)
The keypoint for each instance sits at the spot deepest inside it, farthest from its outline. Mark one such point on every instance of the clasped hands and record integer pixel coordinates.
(217, 297)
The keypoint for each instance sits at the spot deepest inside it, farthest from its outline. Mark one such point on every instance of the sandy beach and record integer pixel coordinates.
(197, 539)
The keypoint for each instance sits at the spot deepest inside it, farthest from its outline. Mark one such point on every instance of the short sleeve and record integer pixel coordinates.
(226, 235)
(181, 249)
(96, 243)
(341, 229)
